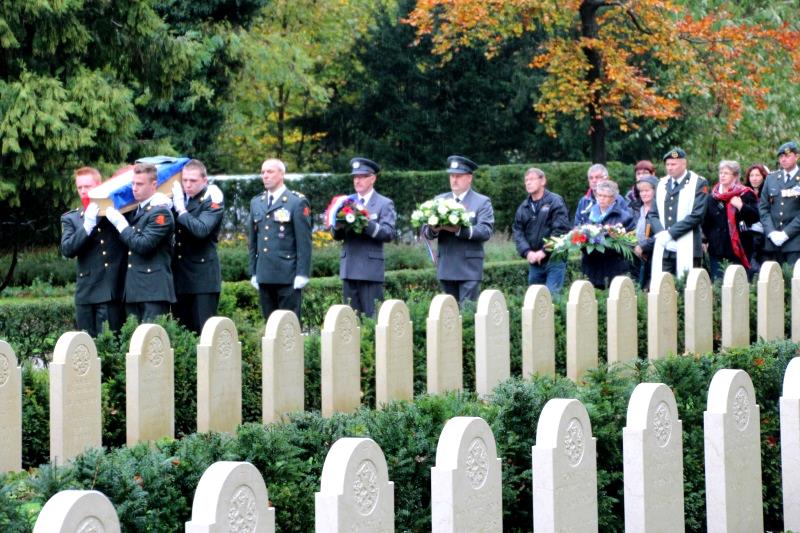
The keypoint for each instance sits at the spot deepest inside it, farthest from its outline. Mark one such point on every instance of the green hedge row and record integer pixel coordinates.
(152, 487)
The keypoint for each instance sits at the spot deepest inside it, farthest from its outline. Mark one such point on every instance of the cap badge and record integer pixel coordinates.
(454, 164)
(356, 164)
(674, 154)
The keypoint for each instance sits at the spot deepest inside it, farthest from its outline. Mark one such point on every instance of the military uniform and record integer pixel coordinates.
(149, 287)
(779, 207)
(279, 248)
(195, 263)
(100, 281)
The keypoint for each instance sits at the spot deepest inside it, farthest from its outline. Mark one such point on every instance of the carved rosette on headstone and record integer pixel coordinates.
(77, 511)
(466, 483)
(698, 313)
(492, 342)
(564, 469)
(662, 317)
(653, 461)
(622, 330)
(283, 374)
(219, 377)
(341, 361)
(581, 329)
(10, 410)
(231, 498)
(394, 354)
(770, 301)
(75, 419)
(355, 492)
(735, 311)
(732, 427)
(790, 445)
(149, 385)
(444, 349)
(538, 333)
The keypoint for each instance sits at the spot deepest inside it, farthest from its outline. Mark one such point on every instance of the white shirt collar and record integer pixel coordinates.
(461, 196)
(790, 173)
(277, 193)
(367, 197)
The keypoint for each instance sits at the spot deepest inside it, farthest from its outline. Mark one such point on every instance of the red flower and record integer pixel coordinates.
(578, 238)
(347, 210)
(758, 361)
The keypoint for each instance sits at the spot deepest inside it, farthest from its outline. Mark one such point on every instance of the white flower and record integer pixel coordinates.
(350, 218)
(454, 218)
(427, 205)
(442, 209)
(417, 215)
(433, 220)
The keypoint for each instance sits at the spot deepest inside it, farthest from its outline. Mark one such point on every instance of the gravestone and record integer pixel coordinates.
(735, 308)
(341, 361)
(653, 460)
(231, 497)
(698, 313)
(662, 317)
(283, 367)
(795, 306)
(149, 386)
(219, 377)
(492, 342)
(466, 483)
(77, 511)
(623, 329)
(538, 333)
(770, 301)
(564, 469)
(443, 339)
(790, 445)
(581, 329)
(394, 354)
(355, 492)
(732, 426)
(75, 419)
(10, 410)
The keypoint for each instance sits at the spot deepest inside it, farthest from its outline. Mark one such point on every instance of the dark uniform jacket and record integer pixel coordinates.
(779, 208)
(691, 222)
(461, 256)
(715, 227)
(101, 258)
(280, 238)
(362, 253)
(530, 228)
(149, 241)
(195, 264)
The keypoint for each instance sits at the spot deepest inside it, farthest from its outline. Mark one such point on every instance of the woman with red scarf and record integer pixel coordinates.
(731, 209)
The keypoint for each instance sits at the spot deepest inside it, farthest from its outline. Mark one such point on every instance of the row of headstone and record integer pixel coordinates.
(466, 482)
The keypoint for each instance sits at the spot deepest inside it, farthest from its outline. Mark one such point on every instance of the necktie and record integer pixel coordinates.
(269, 201)
(361, 200)
(786, 177)
(458, 200)
(138, 210)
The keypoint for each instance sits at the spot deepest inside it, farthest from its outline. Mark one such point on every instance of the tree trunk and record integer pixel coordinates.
(10, 274)
(597, 125)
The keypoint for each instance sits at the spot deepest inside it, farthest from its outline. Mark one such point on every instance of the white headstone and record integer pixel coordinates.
(732, 427)
(698, 313)
(735, 308)
(770, 301)
(283, 367)
(538, 333)
(662, 317)
(394, 354)
(653, 461)
(444, 350)
(355, 493)
(77, 511)
(75, 418)
(790, 445)
(581, 329)
(564, 469)
(466, 483)
(341, 361)
(149, 386)
(492, 342)
(10, 410)
(621, 315)
(231, 497)
(219, 377)
(795, 307)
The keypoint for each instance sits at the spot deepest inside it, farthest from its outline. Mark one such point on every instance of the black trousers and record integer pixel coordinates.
(91, 317)
(192, 310)
(669, 263)
(461, 290)
(147, 311)
(273, 297)
(782, 257)
(361, 295)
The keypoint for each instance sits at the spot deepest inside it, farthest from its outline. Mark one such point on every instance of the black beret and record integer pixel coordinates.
(785, 148)
(675, 153)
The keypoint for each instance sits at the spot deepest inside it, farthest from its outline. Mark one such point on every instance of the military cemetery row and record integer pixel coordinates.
(75, 398)
(356, 493)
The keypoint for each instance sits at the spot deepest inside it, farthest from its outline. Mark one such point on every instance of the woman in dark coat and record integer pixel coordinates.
(754, 178)
(731, 208)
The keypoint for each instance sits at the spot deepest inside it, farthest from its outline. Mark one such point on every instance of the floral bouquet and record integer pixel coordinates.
(593, 237)
(345, 209)
(440, 212)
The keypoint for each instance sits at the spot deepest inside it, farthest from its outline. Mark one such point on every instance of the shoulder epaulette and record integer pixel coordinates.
(299, 194)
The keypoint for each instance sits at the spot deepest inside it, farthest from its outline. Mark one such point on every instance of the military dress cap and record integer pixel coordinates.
(361, 166)
(788, 147)
(675, 153)
(457, 164)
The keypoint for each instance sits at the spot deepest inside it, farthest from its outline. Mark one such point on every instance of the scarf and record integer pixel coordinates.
(595, 216)
(733, 230)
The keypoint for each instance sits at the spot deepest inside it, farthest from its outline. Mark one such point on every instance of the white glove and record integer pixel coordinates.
(778, 237)
(757, 227)
(160, 198)
(663, 237)
(300, 282)
(177, 197)
(672, 245)
(254, 282)
(90, 217)
(116, 218)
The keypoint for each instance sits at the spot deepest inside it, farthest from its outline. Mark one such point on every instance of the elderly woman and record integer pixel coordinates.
(731, 208)
(646, 189)
(610, 209)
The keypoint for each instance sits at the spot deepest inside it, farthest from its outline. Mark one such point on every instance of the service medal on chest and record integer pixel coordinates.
(283, 215)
